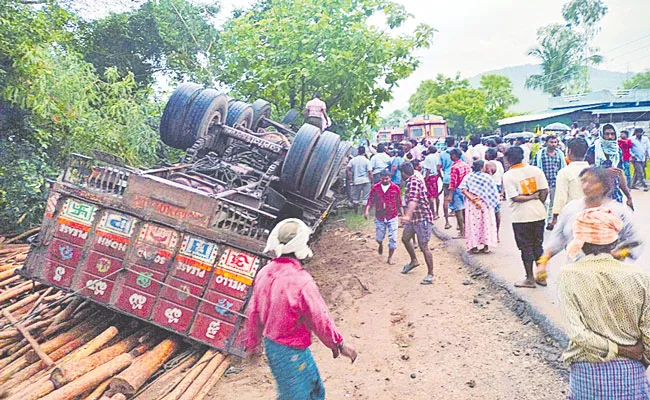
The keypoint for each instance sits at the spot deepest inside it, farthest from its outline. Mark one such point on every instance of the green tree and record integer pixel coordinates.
(284, 50)
(173, 37)
(432, 88)
(561, 52)
(394, 120)
(63, 106)
(464, 109)
(498, 91)
(585, 15)
(638, 81)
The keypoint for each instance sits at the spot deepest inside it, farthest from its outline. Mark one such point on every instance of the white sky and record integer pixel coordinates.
(475, 36)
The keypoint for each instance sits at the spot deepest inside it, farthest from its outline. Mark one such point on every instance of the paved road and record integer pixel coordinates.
(505, 261)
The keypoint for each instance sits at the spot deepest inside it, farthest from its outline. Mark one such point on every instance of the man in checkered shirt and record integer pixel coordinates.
(551, 160)
(417, 220)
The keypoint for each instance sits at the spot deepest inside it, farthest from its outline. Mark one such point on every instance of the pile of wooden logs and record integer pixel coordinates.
(58, 347)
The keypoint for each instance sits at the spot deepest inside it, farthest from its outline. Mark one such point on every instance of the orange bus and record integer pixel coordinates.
(390, 135)
(426, 127)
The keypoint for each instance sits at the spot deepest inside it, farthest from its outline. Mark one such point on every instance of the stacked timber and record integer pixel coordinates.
(55, 346)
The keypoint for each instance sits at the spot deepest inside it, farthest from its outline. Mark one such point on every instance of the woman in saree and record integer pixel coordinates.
(483, 197)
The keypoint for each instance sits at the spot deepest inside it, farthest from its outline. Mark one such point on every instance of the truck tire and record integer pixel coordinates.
(261, 109)
(339, 161)
(173, 117)
(209, 107)
(240, 113)
(297, 157)
(320, 165)
(290, 117)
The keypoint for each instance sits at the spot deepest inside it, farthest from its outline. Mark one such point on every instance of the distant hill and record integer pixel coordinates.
(534, 100)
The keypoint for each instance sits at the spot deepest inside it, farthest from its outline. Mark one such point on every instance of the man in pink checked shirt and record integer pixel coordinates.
(285, 308)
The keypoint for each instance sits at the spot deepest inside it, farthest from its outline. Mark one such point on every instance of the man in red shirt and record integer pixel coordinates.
(625, 145)
(284, 310)
(385, 196)
(455, 198)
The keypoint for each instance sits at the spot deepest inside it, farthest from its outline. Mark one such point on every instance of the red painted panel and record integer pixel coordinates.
(231, 284)
(180, 296)
(140, 278)
(193, 272)
(102, 265)
(172, 315)
(226, 304)
(95, 289)
(57, 274)
(153, 258)
(110, 243)
(135, 302)
(72, 231)
(211, 330)
(238, 342)
(64, 253)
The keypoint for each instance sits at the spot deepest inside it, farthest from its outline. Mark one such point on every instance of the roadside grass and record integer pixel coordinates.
(355, 222)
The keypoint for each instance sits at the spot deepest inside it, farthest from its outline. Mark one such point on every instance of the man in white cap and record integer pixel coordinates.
(285, 308)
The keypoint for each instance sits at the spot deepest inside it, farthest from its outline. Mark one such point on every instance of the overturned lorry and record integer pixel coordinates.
(179, 246)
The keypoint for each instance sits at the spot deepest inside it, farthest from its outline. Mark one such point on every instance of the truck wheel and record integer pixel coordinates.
(240, 113)
(320, 165)
(208, 108)
(298, 156)
(172, 120)
(339, 161)
(290, 117)
(261, 109)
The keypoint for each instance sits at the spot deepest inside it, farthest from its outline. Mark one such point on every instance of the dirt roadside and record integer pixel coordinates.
(452, 340)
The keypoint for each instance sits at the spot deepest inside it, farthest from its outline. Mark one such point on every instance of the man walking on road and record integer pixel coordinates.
(316, 113)
(455, 198)
(551, 160)
(386, 197)
(568, 186)
(526, 190)
(359, 174)
(284, 310)
(379, 162)
(418, 222)
(640, 152)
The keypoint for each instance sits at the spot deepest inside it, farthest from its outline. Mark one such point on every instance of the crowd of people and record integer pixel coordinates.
(577, 186)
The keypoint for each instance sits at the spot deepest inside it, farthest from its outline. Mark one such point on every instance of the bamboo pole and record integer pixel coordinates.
(22, 235)
(32, 342)
(99, 390)
(190, 376)
(203, 377)
(205, 389)
(166, 382)
(91, 379)
(130, 380)
(67, 373)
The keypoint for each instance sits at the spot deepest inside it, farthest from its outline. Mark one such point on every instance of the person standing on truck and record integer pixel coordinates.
(359, 174)
(284, 310)
(316, 113)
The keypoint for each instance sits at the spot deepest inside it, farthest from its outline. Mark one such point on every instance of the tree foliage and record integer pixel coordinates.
(638, 81)
(171, 37)
(432, 88)
(69, 85)
(467, 110)
(284, 50)
(498, 91)
(565, 51)
(561, 52)
(395, 119)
